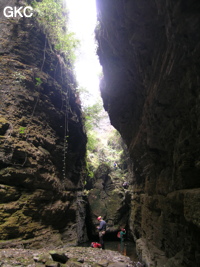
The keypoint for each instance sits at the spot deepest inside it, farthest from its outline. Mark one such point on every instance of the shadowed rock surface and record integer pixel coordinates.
(42, 141)
(150, 52)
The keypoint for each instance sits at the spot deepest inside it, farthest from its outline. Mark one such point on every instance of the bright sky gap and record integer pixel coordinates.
(82, 21)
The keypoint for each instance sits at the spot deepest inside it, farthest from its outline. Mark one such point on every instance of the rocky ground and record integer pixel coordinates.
(69, 257)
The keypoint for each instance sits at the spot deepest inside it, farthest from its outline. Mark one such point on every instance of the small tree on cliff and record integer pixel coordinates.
(52, 17)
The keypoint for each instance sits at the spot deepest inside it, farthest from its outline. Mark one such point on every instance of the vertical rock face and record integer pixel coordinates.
(42, 141)
(150, 52)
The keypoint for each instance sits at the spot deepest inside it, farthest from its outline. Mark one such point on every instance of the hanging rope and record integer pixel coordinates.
(66, 135)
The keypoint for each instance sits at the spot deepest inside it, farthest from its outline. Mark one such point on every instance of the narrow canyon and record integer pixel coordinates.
(150, 56)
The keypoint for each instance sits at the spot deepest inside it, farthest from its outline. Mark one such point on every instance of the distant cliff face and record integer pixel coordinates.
(109, 199)
(150, 52)
(42, 141)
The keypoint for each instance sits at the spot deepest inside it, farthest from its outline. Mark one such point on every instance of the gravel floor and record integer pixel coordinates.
(76, 256)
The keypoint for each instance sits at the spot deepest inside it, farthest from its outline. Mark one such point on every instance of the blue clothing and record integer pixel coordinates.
(102, 231)
(122, 234)
(102, 226)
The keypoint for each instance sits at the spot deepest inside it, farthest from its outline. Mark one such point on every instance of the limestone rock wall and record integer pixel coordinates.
(42, 141)
(150, 52)
(108, 199)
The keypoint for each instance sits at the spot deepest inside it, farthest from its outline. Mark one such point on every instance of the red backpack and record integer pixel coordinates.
(118, 234)
(95, 245)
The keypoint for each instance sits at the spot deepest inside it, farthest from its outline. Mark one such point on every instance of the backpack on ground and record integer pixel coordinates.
(95, 245)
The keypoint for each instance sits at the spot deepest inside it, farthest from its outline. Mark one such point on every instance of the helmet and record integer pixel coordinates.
(99, 218)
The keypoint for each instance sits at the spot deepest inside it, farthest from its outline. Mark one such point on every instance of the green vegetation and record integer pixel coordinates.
(104, 144)
(38, 81)
(52, 17)
(22, 130)
(92, 115)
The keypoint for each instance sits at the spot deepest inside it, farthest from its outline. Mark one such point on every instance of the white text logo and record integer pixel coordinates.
(10, 12)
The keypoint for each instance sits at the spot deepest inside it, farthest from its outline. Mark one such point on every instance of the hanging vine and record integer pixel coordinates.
(52, 17)
(66, 135)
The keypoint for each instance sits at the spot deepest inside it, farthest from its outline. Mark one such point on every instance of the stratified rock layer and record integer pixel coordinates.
(42, 142)
(150, 54)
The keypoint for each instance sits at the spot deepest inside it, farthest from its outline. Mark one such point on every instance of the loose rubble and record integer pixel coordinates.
(65, 257)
